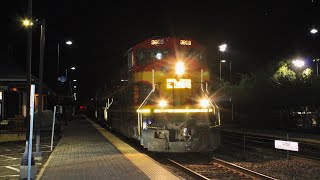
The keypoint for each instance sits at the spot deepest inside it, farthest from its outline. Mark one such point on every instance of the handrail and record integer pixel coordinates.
(108, 103)
(214, 105)
(201, 80)
(143, 103)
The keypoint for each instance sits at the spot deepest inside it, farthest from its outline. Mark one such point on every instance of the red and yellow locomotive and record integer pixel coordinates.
(162, 99)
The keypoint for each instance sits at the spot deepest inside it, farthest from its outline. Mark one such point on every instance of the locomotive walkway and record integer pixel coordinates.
(87, 151)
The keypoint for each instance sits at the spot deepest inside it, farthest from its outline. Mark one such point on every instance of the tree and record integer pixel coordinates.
(284, 75)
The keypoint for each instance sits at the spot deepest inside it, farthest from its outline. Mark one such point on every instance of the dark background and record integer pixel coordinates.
(257, 32)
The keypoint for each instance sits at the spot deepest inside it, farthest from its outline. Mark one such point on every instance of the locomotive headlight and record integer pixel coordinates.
(204, 103)
(163, 103)
(179, 68)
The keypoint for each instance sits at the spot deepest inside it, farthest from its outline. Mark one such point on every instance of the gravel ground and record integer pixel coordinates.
(276, 166)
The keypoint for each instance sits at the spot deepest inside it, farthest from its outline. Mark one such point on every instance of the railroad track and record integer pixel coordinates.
(252, 141)
(217, 169)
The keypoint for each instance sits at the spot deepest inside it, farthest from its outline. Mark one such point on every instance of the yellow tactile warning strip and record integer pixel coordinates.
(150, 167)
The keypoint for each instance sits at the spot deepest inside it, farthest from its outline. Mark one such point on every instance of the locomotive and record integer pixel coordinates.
(162, 99)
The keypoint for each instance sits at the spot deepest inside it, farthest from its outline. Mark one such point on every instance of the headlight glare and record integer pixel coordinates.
(204, 103)
(179, 68)
(163, 103)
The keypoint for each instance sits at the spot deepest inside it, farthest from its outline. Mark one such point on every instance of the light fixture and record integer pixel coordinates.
(298, 63)
(223, 47)
(179, 68)
(313, 31)
(204, 103)
(163, 103)
(69, 42)
(27, 22)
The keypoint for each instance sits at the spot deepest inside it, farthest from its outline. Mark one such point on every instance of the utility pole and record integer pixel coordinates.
(58, 55)
(230, 74)
(38, 152)
(27, 168)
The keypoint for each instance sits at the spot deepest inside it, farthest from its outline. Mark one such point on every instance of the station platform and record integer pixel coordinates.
(88, 151)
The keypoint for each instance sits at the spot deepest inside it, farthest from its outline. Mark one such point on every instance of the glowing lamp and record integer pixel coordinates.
(163, 103)
(313, 31)
(298, 63)
(223, 47)
(69, 42)
(204, 103)
(27, 22)
(179, 68)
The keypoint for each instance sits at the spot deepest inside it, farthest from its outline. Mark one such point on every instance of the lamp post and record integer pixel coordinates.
(72, 68)
(315, 31)
(317, 66)
(230, 74)
(38, 152)
(222, 61)
(27, 168)
(69, 43)
(222, 49)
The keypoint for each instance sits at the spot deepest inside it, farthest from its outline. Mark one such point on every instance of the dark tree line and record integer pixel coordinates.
(282, 96)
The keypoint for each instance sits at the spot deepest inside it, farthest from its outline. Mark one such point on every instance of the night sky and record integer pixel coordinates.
(257, 32)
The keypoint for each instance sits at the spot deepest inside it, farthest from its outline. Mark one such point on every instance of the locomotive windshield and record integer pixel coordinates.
(146, 55)
(190, 53)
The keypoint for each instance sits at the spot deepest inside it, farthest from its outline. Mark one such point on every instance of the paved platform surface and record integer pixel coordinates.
(11, 150)
(85, 153)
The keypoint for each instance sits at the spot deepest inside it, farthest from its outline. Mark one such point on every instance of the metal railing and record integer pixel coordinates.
(12, 126)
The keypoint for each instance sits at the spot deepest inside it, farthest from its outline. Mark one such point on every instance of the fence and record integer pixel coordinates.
(12, 126)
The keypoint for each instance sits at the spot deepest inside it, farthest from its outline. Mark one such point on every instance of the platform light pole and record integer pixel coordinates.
(222, 49)
(27, 167)
(317, 65)
(38, 153)
(69, 43)
(221, 61)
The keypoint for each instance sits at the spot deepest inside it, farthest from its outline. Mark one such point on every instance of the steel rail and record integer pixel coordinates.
(242, 170)
(187, 170)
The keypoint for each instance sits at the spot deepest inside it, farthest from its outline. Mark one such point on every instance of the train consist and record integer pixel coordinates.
(161, 97)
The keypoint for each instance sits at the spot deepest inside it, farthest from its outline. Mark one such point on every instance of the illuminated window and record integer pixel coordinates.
(0, 95)
(145, 56)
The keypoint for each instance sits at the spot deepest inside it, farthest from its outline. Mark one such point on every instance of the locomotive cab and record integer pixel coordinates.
(165, 102)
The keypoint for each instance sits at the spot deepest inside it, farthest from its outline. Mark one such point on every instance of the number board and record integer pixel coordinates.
(179, 84)
(185, 42)
(157, 41)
